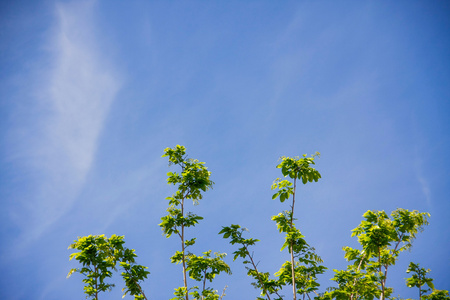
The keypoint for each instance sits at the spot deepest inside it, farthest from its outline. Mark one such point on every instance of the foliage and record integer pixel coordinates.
(191, 182)
(304, 266)
(419, 279)
(382, 238)
(262, 281)
(307, 262)
(437, 295)
(205, 267)
(300, 168)
(353, 284)
(99, 256)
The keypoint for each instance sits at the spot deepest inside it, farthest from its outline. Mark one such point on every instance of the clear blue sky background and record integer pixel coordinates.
(91, 92)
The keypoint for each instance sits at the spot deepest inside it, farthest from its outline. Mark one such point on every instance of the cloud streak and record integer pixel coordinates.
(78, 92)
(423, 182)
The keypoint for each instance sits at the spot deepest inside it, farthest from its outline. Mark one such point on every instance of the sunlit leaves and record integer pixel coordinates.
(206, 267)
(99, 256)
(378, 231)
(353, 284)
(206, 294)
(193, 179)
(176, 154)
(301, 270)
(382, 238)
(285, 189)
(438, 295)
(262, 281)
(419, 279)
(180, 293)
(305, 275)
(190, 242)
(132, 275)
(294, 168)
(300, 168)
(293, 238)
(175, 220)
(234, 232)
(408, 223)
(191, 182)
(95, 257)
(307, 265)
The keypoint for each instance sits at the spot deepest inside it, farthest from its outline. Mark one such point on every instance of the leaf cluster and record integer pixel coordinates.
(419, 279)
(175, 220)
(437, 295)
(300, 168)
(262, 279)
(206, 267)
(99, 256)
(353, 284)
(234, 233)
(379, 231)
(193, 179)
(382, 239)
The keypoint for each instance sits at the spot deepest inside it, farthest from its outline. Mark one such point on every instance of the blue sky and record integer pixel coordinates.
(91, 92)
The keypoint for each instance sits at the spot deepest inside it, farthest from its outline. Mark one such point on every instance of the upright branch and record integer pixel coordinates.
(419, 279)
(294, 168)
(234, 233)
(191, 182)
(291, 244)
(307, 264)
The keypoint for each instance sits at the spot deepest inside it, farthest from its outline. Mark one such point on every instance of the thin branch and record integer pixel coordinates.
(183, 250)
(204, 282)
(256, 269)
(223, 292)
(292, 243)
(354, 281)
(96, 283)
(137, 284)
(279, 296)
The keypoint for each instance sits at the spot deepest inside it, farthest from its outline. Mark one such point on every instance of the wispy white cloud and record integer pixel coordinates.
(423, 182)
(424, 186)
(78, 91)
(418, 161)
